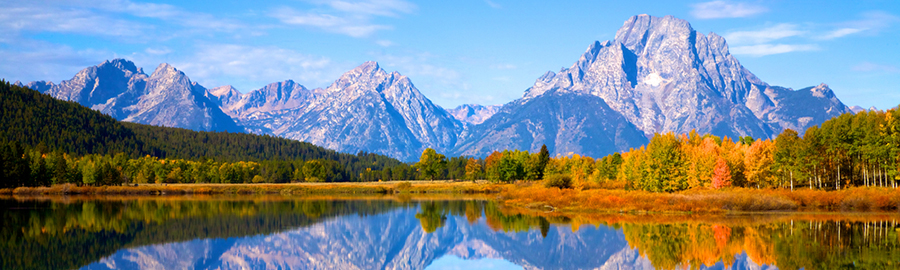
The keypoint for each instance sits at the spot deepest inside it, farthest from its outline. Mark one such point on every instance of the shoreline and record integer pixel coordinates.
(532, 197)
(392, 187)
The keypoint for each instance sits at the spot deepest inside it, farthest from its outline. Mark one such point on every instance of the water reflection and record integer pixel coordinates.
(378, 233)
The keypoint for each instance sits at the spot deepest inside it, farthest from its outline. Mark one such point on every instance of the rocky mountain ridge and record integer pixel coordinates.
(657, 75)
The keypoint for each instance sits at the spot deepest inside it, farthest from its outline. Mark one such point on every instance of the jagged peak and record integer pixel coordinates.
(165, 69)
(223, 90)
(822, 91)
(547, 76)
(633, 31)
(122, 64)
(368, 67)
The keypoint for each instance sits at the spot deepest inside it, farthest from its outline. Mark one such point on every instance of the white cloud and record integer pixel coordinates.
(769, 49)
(765, 35)
(725, 9)
(109, 18)
(249, 67)
(873, 67)
(384, 43)
(493, 4)
(503, 66)
(35, 18)
(871, 23)
(841, 33)
(352, 18)
(46, 61)
(158, 51)
(372, 7)
(351, 26)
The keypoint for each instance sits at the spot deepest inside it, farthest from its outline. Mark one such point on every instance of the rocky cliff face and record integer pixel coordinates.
(166, 98)
(474, 114)
(565, 122)
(368, 109)
(269, 108)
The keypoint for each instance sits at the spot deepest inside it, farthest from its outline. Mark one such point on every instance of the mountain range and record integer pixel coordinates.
(657, 75)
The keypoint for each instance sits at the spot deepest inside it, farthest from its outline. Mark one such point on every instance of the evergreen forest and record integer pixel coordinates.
(46, 141)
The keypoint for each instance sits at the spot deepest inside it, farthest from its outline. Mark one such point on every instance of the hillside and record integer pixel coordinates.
(40, 121)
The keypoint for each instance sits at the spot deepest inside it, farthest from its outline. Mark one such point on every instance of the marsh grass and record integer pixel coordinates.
(704, 200)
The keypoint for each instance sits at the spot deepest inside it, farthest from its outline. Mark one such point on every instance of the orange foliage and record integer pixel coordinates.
(721, 175)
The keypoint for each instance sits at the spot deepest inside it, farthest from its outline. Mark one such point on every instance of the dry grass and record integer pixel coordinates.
(301, 188)
(703, 201)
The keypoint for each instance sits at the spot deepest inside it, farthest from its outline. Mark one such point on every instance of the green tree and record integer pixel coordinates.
(431, 164)
(666, 165)
(788, 149)
(473, 169)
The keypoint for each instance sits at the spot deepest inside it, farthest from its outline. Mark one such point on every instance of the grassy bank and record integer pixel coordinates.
(415, 187)
(702, 201)
(534, 196)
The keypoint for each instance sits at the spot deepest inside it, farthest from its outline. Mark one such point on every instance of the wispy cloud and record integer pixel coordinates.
(503, 66)
(384, 43)
(354, 27)
(46, 61)
(29, 17)
(764, 35)
(873, 67)
(248, 67)
(871, 23)
(493, 4)
(390, 8)
(840, 33)
(352, 18)
(109, 18)
(770, 49)
(725, 9)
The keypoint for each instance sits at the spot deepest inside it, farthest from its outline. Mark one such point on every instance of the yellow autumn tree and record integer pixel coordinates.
(758, 164)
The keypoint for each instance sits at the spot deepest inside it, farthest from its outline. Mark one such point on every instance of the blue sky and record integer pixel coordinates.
(455, 52)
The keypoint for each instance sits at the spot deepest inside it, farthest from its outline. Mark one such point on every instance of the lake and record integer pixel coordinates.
(274, 232)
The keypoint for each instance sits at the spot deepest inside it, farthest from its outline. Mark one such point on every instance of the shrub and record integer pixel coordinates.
(403, 185)
(558, 181)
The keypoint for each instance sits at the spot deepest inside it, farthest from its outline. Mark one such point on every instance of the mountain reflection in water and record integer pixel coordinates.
(392, 233)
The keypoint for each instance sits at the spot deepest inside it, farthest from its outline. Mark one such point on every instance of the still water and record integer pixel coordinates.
(421, 233)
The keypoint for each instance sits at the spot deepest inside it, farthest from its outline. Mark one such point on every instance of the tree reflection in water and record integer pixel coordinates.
(71, 234)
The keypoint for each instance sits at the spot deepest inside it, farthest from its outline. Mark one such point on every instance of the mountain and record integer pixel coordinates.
(266, 109)
(120, 89)
(367, 109)
(659, 75)
(473, 113)
(565, 122)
